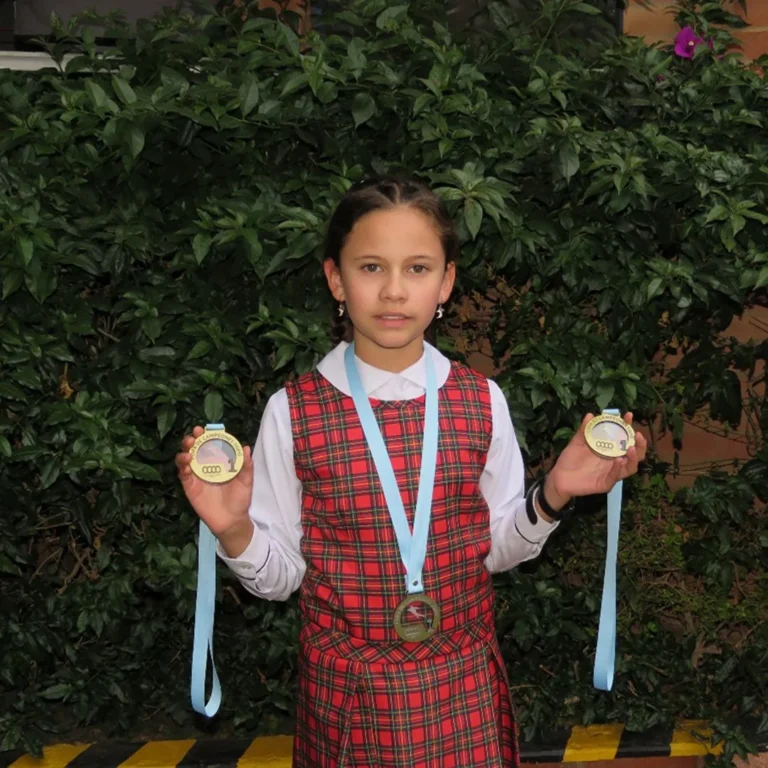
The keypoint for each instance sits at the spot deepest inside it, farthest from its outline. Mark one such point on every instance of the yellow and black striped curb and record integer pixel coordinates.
(691, 738)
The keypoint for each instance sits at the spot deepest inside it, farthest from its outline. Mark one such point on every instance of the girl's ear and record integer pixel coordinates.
(449, 278)
(333, 276)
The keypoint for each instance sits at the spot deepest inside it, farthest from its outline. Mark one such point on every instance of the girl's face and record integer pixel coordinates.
(393, 275)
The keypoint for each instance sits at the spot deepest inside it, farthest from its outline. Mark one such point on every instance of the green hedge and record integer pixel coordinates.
(161, 214)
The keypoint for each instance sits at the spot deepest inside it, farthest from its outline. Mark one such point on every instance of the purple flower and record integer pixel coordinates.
(686, 42)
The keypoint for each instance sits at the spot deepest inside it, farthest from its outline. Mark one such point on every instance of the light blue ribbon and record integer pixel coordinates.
(413, 549)
(204, 612)
(605, 657)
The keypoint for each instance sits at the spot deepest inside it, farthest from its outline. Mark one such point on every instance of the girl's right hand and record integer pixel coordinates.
(222, 507)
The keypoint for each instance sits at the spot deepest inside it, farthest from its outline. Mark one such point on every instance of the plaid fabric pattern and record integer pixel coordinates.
(366, 697)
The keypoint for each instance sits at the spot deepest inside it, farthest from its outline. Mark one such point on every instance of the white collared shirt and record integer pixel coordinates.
(272, 566)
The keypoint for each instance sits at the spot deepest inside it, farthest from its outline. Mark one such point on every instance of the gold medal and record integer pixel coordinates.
(216, 456)
(609, 436)
(412, 623)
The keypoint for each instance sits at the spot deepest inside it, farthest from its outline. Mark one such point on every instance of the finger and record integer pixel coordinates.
(586, 420)
(628, 417)
(641, 446)
(630, 468)
(183, 460)
(189, 440)
(617, 471)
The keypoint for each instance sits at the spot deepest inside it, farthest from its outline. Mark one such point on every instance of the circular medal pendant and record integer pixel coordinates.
(417, 618)
(609, 436)
(216, 456)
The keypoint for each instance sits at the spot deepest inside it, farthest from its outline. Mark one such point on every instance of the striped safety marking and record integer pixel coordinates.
(690, 737)
(576, 745)
(58, 756)
(595, 742)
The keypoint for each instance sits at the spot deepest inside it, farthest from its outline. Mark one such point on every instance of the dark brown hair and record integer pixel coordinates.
(380, 194)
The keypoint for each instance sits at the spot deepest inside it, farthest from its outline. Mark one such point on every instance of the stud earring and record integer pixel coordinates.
(341, 309)
(440, 312)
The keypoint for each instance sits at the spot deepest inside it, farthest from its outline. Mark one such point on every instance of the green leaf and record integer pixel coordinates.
(390, 17)
(140, 471)
(363, 107)
(605, 395)
(50, 473)
(590, 10)
(59, 414)
(201, 244)
(762, 278)
(568, 160)
(5, 447)
(293, 83)
(255, 248)
(249, 95)
(655, 287)
(135, 140)
(26, 248)
(284, 354)
(56, 692)
(213, 407)
(12, 281)
(201, 349)
(157, 355)
(631, 389)
(473, 216)
(41, 284)
(166, 418)
(717, 213)
(124, 91)
(97, 94)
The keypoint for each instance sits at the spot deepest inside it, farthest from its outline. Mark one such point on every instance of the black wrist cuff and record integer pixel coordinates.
(536, 492)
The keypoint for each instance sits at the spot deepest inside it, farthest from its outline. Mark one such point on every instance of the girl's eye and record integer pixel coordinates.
(370, 267)
(419, 269)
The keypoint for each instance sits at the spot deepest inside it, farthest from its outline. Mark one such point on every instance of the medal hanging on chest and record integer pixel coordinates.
(417, 617)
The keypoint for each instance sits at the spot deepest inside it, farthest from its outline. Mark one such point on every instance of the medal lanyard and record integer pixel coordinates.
(605, 658)
(204, 612)
(413, 549)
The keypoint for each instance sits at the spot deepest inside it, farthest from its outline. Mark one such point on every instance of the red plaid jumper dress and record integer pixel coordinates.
(367, 698)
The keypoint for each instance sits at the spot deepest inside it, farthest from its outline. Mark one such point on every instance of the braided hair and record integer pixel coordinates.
(379, 194)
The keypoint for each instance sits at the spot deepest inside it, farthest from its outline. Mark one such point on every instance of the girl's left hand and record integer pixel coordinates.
(580, 472)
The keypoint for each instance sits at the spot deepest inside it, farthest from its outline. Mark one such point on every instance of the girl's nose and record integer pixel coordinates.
(393, 289)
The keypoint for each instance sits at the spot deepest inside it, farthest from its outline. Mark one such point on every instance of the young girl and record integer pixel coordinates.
(387, 486)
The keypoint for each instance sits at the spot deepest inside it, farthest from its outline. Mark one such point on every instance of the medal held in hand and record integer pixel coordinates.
(217, 457)
(609, 436)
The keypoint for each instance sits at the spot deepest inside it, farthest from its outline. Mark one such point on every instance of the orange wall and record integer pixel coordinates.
(299, 6)
(657, 24)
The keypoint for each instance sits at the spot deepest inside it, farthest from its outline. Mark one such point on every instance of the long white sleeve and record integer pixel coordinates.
(513, 538)
(272, 566)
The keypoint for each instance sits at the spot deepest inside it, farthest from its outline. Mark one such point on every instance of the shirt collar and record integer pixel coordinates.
(331, 367)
